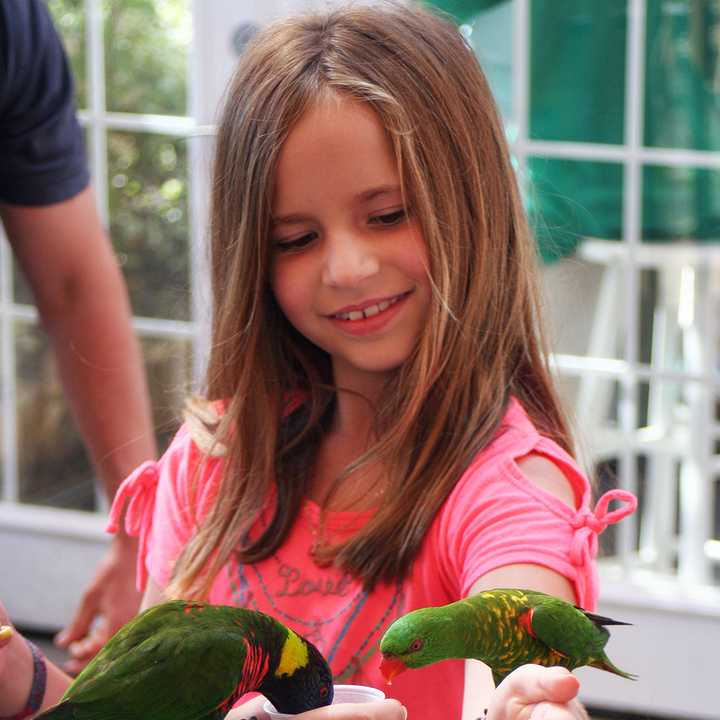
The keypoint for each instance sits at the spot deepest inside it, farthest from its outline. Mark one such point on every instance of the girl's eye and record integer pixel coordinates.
(294, 243)
(389, 219)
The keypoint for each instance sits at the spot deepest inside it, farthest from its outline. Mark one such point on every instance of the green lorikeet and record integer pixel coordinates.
(505, 628)
(191, 661)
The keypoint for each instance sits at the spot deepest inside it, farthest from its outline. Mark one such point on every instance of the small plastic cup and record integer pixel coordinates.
(341, 694)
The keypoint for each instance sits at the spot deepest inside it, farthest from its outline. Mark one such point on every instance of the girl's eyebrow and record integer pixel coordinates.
(294, 219)
(364, 196)
(372, 193)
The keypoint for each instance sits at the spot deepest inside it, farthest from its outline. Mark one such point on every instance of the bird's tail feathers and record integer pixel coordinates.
(604, 663)
(601, 620)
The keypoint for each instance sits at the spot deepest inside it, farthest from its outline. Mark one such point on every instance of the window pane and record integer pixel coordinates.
(585, 310)
(490, 34)
(577, 70)
(570, 200)
(681, 204)
(169, 367)
(682, 99)
(53, 466)
(146, 55)
(69, 17)
(149, 220)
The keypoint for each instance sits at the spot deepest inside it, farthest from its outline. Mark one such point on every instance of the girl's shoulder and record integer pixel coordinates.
(198, 435)
(496, 466)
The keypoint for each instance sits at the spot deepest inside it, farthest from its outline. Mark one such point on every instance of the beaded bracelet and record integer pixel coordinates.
(37, 688)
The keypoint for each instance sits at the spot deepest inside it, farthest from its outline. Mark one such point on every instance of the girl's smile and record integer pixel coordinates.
(350, 265)
(369, 317)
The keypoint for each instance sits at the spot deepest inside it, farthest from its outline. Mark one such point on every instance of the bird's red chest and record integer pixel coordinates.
(525, 621)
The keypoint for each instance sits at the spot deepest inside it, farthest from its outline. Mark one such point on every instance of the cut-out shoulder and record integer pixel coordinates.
(547, 475)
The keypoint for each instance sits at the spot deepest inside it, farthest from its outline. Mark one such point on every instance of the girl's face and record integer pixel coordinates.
(349, 268)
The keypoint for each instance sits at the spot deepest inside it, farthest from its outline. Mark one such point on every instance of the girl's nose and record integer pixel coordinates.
(349, 261)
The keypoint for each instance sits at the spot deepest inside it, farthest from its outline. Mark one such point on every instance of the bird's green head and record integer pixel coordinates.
(419, 638)
(302, 680)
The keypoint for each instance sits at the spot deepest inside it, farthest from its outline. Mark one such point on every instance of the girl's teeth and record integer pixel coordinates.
(368, 311)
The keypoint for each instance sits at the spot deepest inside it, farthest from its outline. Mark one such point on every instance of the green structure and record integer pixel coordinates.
(577, 94)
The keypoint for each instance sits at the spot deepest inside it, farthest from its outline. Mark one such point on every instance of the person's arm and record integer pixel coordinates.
(530, 689)
(81, 297)
(16, 672)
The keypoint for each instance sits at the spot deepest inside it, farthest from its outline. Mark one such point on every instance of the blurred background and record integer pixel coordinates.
(612, 109)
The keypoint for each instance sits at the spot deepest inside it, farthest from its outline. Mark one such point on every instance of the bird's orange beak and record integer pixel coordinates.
(390, 667)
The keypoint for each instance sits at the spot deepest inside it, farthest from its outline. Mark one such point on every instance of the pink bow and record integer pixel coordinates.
(140, 488)
(588, 524)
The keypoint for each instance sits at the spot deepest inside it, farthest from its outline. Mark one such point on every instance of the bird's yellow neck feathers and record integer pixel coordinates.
(294, 655)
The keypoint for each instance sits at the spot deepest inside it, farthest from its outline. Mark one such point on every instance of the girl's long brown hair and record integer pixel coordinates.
(483, 341)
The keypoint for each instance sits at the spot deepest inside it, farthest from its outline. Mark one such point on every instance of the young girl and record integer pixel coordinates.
(380, 431)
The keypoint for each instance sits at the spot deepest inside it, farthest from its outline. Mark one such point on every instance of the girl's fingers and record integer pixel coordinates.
(6, 633)
(533, 692)
(534, 684)
(555, 711)
(381, 710)
(561, 687)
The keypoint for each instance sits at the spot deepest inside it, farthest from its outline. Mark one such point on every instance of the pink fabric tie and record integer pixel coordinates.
(140, 488)
(588, 524)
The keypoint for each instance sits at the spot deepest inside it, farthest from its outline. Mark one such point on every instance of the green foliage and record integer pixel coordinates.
(69, 16)
(146, 52)
(146, 55)
(148, 220)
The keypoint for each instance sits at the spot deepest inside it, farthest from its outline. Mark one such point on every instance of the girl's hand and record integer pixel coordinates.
(107, 604)
(533, 692)
(381, 710)
(6, 633)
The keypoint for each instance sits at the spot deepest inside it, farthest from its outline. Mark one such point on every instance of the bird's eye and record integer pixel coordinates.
(416, 645)
(324, 691)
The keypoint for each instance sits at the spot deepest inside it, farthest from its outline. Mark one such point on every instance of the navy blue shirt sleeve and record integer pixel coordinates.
(42, 151)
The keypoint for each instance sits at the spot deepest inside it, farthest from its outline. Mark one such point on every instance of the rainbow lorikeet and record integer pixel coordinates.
(505, 628)
(190, 661)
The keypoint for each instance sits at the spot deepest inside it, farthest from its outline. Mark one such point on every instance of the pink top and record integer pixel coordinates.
(494, 516)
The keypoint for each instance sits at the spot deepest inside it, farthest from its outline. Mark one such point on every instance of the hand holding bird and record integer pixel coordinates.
(534, 692)
(504, 628)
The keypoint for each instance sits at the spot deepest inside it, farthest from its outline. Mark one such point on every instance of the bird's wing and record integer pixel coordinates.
(190, 675)
(567, 630)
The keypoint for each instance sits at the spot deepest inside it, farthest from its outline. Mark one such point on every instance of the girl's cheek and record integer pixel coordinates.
(287, 289)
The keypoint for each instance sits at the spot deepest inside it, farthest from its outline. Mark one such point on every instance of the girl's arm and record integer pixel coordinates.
(531, 686)
(16, 673)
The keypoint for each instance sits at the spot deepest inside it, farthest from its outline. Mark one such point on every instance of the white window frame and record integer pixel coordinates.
(675, 615)
(55, 551)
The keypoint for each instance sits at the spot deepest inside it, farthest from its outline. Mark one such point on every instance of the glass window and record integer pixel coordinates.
(147, 176)
(69, 17)
(569, 200)
(681, 203)
(577, 70)
(146, 56)
(682, 56)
